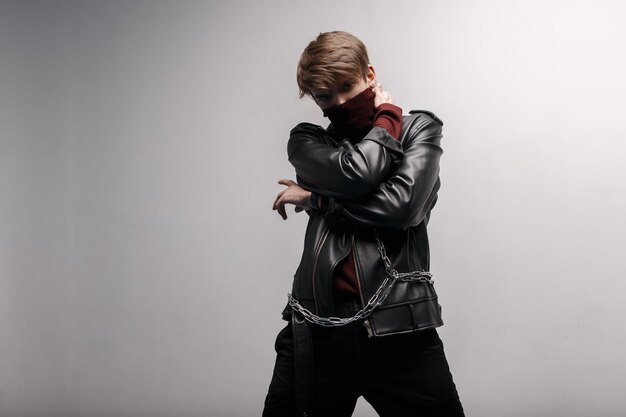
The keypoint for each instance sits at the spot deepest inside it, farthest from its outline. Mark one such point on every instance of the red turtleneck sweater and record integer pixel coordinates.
(389, 117)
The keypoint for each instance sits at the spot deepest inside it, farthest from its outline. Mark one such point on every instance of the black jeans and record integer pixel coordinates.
(399, 375)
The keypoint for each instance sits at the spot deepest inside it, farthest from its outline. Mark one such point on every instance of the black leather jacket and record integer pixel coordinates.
(379, 183)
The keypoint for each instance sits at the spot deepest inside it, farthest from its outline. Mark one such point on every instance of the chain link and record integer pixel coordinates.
(392, 276)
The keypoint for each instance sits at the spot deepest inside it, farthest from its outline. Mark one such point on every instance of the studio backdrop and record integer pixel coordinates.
(143, 272)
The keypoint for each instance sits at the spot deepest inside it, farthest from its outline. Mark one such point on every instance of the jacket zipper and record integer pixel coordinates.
(315, 258)
(366, 323)
(408, 249)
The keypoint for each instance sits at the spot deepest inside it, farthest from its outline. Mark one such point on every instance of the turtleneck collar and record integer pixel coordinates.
(353, 118)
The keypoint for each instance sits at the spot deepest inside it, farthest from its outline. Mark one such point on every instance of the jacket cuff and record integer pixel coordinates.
(313, 201)
(331, 208)
(319, 202)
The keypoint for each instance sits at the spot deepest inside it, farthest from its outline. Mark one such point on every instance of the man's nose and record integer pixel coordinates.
(341, 99)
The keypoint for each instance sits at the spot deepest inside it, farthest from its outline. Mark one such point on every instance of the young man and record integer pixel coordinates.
(363, 309)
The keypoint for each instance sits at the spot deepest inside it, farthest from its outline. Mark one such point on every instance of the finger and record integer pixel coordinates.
(286, 198)
(280, 206)
(282, 215)
(280, 194)
(277, 203)
(298, 209)
(282, 212)
(286, 182)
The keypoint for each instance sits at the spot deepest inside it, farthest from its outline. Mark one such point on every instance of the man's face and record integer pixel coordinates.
(343, 91)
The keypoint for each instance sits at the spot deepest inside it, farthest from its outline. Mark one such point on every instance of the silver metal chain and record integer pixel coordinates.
(392, 276)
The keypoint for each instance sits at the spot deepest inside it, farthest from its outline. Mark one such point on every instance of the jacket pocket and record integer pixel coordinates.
(409, 316)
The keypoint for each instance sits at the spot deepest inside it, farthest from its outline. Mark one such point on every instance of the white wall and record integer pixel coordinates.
(142, 270)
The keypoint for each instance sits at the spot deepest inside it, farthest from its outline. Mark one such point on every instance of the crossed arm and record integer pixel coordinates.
(349, 171)
(345, 171)
(400, 199)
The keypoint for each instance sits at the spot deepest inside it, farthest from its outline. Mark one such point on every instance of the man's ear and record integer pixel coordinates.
(371, 75)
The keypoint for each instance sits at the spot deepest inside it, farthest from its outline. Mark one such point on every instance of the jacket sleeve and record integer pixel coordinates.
(348, 171)
(406, 197)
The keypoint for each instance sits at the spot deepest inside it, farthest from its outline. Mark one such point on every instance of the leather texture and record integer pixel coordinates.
(383, 183)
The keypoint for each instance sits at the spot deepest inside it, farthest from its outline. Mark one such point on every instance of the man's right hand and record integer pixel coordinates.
(293, 194)
(382, 96)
